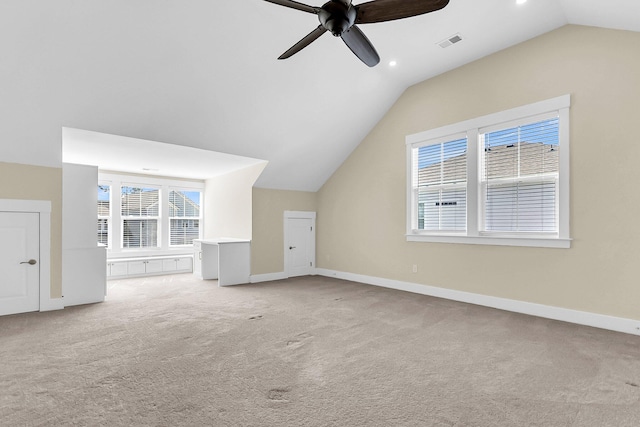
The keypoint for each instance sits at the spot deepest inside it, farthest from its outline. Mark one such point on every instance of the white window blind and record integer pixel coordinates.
(140, 210)
(441, 171)
(104, 213)
(520, 177)
(184, 217)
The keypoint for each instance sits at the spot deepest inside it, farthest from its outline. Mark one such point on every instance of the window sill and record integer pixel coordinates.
(535, 242)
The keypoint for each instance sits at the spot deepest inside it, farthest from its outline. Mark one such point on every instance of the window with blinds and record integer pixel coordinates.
(499, 179)
(184, 217)
(441, 191)
(519, 177)
(104, 213)
(140, 211)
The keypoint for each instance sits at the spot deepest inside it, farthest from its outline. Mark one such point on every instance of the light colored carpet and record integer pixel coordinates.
(176, 351)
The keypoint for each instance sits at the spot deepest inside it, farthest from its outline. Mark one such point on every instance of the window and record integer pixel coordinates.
(520, 178)
(104, 214)
(184, 217)
(140, 210)
(141, 216)
(499, 179)
(442, 186)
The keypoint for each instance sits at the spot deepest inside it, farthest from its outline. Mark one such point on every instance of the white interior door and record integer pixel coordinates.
(299, 245)
(19, 262)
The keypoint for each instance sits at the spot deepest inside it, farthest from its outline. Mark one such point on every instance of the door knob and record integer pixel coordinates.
(30, 262)
(291, 247)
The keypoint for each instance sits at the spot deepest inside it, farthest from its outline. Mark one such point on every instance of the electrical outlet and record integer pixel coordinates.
(415, 268)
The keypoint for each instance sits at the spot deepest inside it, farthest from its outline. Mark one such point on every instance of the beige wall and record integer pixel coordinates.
(26, 182)
(361, 208)
(267, 253)
(227, 203)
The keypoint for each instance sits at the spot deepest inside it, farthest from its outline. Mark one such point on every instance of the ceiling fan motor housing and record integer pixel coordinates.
(337, 17)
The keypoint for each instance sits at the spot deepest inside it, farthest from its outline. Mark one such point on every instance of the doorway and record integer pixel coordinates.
(299, 243)
(19, 262)
(25, 257)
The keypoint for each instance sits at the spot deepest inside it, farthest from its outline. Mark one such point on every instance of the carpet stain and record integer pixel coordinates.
(111, 381)
(298, 340)
(631, 384)
(258, 317)
(278, 394)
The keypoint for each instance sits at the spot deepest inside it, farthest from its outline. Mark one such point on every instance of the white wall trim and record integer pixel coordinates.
(46, 302)
(536, 108)
(17, 205)
(43, 209)
(300, 214)
(618, 324)
(534, 242)
(267, 277)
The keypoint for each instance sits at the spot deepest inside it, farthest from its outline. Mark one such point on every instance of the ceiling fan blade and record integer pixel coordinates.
(388, 10)
(295, 5)
(360, 45)
(306, 41)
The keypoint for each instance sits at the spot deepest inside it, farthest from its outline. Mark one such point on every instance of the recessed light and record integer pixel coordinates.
(392, 63)
(521, 1)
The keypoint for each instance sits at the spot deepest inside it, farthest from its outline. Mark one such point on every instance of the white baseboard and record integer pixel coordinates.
(268, 277)
(618, 324)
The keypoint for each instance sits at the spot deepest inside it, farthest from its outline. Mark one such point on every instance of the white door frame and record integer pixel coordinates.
(43, 209)
(304, 215)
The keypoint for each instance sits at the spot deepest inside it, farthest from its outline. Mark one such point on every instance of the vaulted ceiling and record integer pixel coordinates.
(204, 74)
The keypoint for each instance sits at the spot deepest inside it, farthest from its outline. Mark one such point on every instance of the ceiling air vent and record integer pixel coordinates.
(450, 40)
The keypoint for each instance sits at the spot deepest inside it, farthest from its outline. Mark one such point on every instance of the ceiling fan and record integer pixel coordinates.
(340, 18)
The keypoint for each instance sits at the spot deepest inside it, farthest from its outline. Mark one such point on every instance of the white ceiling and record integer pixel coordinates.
(125, 154)
(204, 74)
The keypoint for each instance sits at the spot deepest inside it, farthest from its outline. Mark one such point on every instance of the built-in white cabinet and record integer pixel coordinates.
(131, 267)
(116, 269)
(149, 266)
(228, 260)
(177, 264)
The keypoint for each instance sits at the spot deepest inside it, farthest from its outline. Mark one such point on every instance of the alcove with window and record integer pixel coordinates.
(148, 223)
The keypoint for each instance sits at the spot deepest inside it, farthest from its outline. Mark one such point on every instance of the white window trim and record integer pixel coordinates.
(471, 128)
(116, 181)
